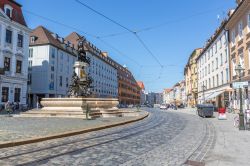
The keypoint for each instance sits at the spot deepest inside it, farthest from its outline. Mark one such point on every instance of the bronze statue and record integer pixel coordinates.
(81, 87)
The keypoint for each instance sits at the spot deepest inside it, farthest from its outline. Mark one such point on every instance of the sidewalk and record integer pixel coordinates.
(232, 147)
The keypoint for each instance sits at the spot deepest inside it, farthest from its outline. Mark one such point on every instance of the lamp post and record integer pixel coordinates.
(239, 70)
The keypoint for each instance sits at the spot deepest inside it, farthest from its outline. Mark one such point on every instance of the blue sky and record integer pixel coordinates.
(179, 27)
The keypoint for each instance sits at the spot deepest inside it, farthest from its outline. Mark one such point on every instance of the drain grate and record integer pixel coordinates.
(194, 163)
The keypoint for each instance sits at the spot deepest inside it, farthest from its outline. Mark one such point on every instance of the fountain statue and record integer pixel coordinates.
(81, 82)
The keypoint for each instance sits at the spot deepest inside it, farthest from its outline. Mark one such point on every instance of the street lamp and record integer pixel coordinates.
(239, 69)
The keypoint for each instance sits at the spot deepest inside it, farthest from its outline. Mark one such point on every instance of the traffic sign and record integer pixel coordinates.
(240, 84)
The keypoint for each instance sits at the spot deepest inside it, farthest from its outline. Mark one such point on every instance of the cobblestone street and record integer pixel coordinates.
(164, 138)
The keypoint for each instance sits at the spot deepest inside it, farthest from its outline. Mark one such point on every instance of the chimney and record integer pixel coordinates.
(238, 1)
(230, 12)
(105, 54)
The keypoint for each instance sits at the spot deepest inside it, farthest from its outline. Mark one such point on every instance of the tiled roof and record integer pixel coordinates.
(44, 36)
(141, 85)
(17, 14)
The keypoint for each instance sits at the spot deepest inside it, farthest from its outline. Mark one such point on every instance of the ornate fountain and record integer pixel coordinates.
(78, 104)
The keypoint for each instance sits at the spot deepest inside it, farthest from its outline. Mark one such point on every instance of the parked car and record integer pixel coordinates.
(163, 107)
(181, 106)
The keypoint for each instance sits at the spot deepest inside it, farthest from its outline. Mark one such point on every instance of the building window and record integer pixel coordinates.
(248, 21)
(61, 56)
(8, 37)
(233, 37)
(20, 40)
(212, 65)
(17, 95)
(220, 42)
(7, 64)
(222, 78)
(52, 68)
(217, 63)
(60, 81)
(221, 60)
(209, 83)
(208, 68)
(227, 75)
(53, 52)
(18, 66)
(67, 82)
(213, 81)
(30, 65)
(31, 53)
(217, 79)
(242, 59)
(5, 94)
(233, 66)
(226, 55)
(29, 79)
(240, 29)
(8, 12)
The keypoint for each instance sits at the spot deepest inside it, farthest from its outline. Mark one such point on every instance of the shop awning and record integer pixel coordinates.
(214, 94)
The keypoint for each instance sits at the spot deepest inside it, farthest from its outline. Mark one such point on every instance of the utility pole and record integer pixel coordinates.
(239, 70)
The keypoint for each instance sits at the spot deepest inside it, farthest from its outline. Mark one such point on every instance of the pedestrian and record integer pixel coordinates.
(8, 107)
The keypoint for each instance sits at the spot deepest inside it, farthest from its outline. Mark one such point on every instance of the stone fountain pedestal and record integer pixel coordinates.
(76, 108)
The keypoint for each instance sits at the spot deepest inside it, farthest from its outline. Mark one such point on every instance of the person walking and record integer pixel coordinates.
(8, 107)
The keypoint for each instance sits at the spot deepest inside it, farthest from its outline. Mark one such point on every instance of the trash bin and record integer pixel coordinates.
(205, 110)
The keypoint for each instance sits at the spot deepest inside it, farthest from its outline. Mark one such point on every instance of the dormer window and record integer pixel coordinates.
(8, 10)
(33, 39)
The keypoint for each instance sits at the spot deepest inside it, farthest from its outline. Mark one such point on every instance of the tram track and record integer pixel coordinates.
(127, 132)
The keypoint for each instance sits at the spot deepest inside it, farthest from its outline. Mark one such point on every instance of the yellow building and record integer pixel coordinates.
(238, 26)
(191, 78)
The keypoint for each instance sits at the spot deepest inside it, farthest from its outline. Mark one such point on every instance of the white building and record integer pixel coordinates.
(51, 61)
(166, 96)
(101, 69)
(14, 45)
(213, 70)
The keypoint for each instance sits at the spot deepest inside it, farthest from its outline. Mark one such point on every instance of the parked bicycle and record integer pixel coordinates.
(246, 120)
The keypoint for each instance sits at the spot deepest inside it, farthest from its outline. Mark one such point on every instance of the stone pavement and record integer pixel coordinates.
(20, 128)
(232, 147)
(164, 138)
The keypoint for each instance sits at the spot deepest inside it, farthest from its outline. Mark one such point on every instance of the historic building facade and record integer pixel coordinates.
(51, 61)
(14, 46)
(143, 95)
(238, 26)
(213, 70)
(128, 89)
(101, 69)
(191, 78)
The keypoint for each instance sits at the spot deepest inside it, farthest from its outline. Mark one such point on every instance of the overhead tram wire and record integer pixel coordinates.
(59, 23)
(124, 27)
(163, 24)
(81, 31)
